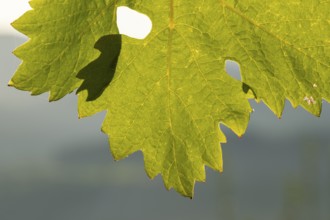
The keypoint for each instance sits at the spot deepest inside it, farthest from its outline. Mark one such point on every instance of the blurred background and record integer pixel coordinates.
(54, 166)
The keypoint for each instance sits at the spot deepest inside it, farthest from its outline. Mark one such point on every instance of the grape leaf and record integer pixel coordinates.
(166, 95)
(170, 113)
(171, 89)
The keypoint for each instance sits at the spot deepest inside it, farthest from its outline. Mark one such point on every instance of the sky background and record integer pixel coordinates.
(54, 166)
(9, 11)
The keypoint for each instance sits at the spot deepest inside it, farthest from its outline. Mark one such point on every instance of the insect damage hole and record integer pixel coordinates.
(233, 69)
(132, 23)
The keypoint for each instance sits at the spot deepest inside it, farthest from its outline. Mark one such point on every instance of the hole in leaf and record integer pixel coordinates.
(233, 69)
(132, 23)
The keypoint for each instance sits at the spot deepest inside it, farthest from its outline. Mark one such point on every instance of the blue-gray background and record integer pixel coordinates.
(54, 166)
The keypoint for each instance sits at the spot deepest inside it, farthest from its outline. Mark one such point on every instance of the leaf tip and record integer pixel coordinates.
(10, 83)
(13, 24)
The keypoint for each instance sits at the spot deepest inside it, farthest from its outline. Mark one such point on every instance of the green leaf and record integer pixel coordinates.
(166, 95)
(62, 35)
(170, 112)
(170, 90)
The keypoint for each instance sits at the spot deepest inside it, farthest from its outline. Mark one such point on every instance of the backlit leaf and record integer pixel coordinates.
(165, 95)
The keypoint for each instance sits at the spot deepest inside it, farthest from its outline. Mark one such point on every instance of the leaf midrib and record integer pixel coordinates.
(171, 27)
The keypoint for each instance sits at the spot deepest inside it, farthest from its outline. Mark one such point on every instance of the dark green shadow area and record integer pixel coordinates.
(247, 89)
(98, 74)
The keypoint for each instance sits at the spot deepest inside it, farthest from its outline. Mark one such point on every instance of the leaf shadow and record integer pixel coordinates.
(98, 74)
(247, 89)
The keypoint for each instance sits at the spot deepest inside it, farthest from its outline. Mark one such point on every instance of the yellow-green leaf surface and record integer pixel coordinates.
(166, 95)
(62, 37)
